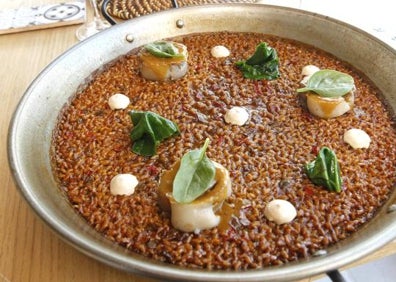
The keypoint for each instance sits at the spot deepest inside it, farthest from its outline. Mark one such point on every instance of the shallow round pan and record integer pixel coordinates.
(35, 117)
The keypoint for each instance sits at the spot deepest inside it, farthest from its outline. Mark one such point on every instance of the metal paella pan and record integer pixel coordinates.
(35, 118)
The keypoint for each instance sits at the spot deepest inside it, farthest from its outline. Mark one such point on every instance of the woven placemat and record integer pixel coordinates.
(128, 9)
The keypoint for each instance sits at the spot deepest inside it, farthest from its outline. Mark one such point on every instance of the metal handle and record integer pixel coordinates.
(336, 276)
(105, 14)
(110, 19)
(174, 4)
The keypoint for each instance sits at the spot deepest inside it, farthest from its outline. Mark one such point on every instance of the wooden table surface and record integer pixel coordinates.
(29, 250)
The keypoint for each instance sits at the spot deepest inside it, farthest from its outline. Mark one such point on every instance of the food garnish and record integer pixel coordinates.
(149, 130)
(357, 138)
(237, 116)
(263, 64)
(123, 184)
(329, 83)
(195, 176)
(118, 101)
(163, 49)
(325, 170)
(219, 51)
(280, 211)
(307, 72)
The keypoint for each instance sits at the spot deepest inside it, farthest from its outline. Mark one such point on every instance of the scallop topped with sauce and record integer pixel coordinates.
(324, 107)
(199, 214)
(327, 93)
(163, 60)
(193, 190)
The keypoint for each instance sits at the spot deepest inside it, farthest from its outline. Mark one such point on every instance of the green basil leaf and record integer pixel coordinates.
(329, 83)
(195, 175)
(145, 147)
(163, 49)
(149, 130)
(263, 64)
(325, 170)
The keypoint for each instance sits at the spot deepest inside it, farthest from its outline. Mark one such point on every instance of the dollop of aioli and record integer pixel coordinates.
(220, 51)
(123, 184)
(118, 101)
(357, 138)
(237, 116)
(307, 72)
(280, 211)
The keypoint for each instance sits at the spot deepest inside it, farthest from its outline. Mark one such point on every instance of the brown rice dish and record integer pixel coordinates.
(265, 157)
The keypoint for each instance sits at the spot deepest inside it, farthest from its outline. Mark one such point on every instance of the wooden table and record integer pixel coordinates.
(29, 251)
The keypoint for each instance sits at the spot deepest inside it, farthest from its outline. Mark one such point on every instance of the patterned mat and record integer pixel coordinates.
(128, 9)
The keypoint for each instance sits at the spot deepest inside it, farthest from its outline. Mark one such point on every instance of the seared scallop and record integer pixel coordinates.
(326, 108)
(200, 214)
(157, 68)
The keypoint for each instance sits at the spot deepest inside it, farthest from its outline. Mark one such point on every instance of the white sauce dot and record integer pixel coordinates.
(237, 116)
(220, 51)
(123, 184)
(280, 211)
(307, 72)
(118, 101)
(357, 138)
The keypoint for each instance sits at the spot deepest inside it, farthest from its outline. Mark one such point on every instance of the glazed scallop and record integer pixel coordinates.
(162, 68)
(326, 108)
(327, 93)
(200, 214)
